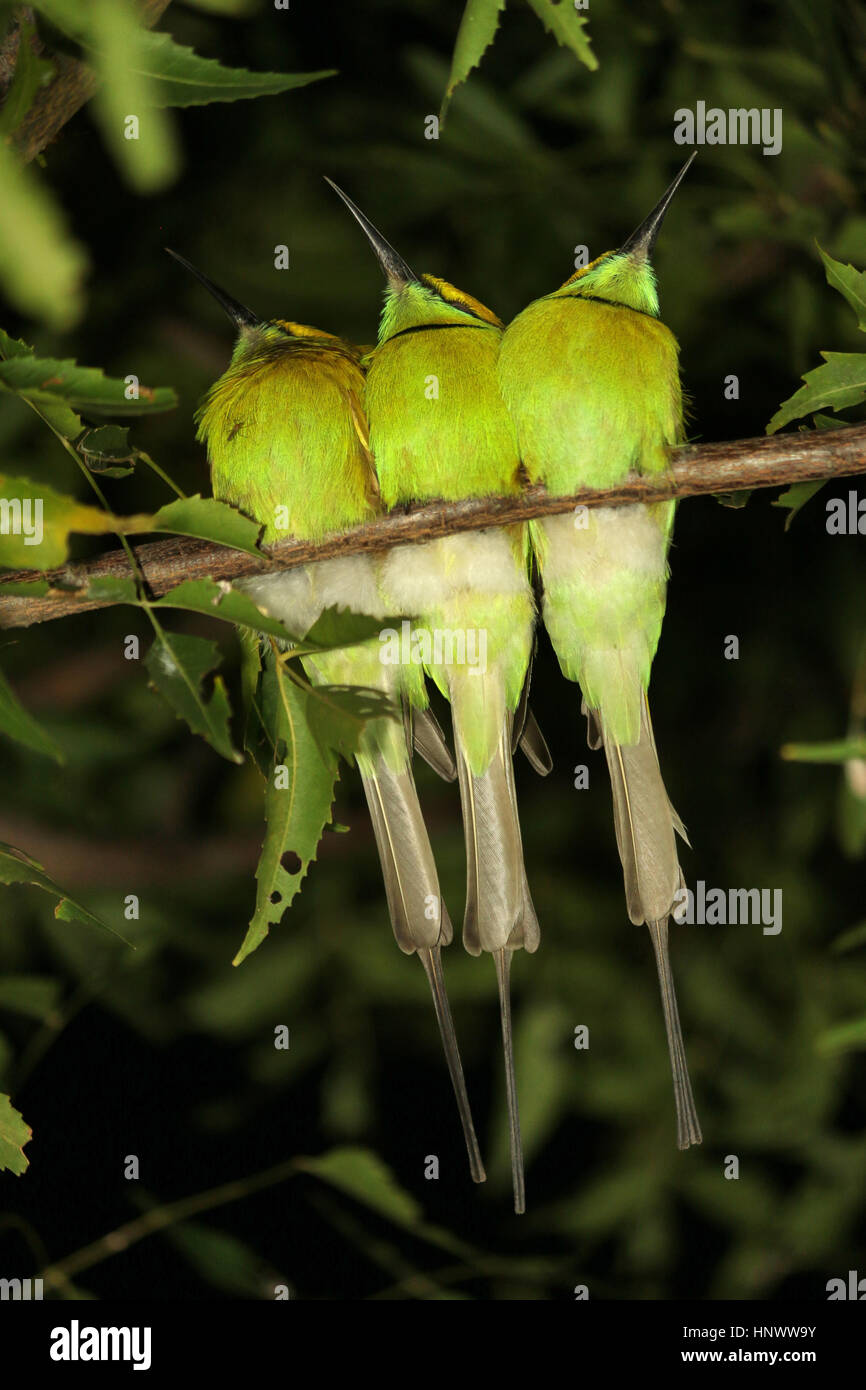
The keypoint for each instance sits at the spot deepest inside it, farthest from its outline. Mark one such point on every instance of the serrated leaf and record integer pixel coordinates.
(339, 627)
(49, 381)
(180, 77)
(41, 264)
(208, 520)
(17, 723)
(177, 665)
(296, 813)
(475, 35)
(839, 383)
(18, 867)
(850, 283)
(363, 1176)
(13, 347)
(796, 497)
(568, 28)
(32, 72)
(217, 599)
(338, 715)
(14, 1134)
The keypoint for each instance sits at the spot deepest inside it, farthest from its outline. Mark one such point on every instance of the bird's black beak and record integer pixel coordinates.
(240, 316)
(397, 272)
(642, 239)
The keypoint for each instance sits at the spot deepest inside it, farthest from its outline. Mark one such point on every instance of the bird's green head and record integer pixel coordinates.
(626, 276)
(416, 301)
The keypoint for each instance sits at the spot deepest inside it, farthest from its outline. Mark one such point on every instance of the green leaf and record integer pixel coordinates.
(850, 283)
(47, 381)
(339, 627)
(209, 520)
(217, 599)
(848, 940)
(568, 28)
(337, 715)
(139, 135)
(37, 996)
(840, 751)
(16, 723)
(844, 1037)
(796, 497)
(14, 1134)
(296, 813)
(735, 500)
(49, 517)
(475, 35)
(363, 1176)
(112, 588)
(224, 1261)
(177, 665)
(31, 73)
(41, 265)
(18, 867)
(13, 347)
(841, 382)
(179, 77)
(107, 451)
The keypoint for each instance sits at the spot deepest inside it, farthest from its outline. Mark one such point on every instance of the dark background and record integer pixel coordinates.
(168, 1054)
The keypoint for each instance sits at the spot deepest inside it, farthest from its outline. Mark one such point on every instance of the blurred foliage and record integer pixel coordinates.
(166, 1051)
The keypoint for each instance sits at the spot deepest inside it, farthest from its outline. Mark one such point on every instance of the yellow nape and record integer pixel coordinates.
(461, 300)
(303, 330)
(584, 270)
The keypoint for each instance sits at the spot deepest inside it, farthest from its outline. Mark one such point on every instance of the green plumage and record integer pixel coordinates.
(439, 429)
(286, 435)
(284, 428)
(591, 379)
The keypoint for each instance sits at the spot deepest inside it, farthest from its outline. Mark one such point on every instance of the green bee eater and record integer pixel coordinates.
(591, 379)
(439, 429)
(285, 428)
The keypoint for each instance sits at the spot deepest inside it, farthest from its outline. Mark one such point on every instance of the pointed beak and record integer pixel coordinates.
(397, 272)
(240, 316)
(642, 239)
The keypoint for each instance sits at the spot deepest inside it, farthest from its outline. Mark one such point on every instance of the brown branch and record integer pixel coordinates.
(696, 470)
(73, 85)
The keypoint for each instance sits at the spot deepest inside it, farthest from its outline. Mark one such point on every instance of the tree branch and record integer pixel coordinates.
(696, 470)
(73, 85)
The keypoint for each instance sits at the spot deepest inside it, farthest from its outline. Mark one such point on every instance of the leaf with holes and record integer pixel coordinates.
(298, 801)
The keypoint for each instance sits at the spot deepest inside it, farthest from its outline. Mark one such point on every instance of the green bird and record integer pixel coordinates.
(439, 429)
(286, 436)
(591, 379)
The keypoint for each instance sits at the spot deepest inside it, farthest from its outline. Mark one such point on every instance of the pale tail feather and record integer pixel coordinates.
(500, 916)
(419, 917)
(645, 821)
